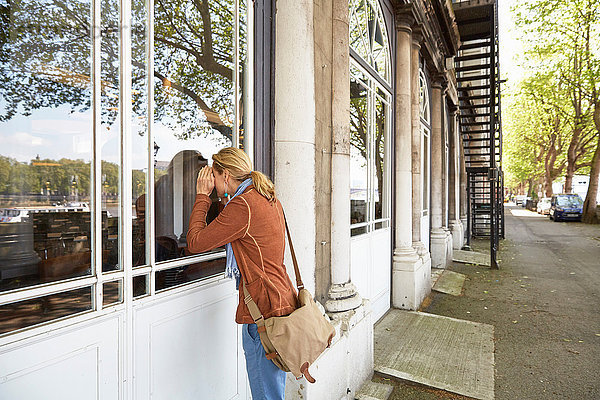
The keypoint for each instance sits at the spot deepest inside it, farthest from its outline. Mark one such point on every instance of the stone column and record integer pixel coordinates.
(463, 186)
(438, 234)
(342, 295)
(417, 138)
(294, 137)
(408, 287)
(454, 190)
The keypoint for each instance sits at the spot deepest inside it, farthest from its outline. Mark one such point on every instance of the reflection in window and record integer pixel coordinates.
(43, 309)
(369, 175)
(139, 125)
(380, 153)
(358, 152)
(46, 135)
(425, 168)
(110, 135)
(194, 116)
(180, 275)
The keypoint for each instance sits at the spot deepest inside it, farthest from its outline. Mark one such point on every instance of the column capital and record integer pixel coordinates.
(439, 81)
(404, 23)
(417, 36)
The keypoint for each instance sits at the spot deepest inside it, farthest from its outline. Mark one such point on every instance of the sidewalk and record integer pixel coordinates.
(543, 304)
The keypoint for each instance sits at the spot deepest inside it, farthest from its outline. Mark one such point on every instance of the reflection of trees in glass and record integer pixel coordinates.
(45, 60)
(60, 177)
(359, 129)
(44, 55)
(358, 118)
(380, 117)
(194, 65)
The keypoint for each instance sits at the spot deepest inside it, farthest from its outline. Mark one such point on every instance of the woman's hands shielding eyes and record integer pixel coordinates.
(206, 181)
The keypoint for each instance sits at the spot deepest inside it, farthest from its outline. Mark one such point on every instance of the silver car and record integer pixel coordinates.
(543, 206)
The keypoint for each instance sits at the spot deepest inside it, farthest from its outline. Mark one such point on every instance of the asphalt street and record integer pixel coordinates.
(544, 304)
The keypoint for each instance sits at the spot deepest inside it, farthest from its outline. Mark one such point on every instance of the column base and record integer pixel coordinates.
(463, 220)
(449, 244)
(458, 235)
(411, 279)
(342, 297)
(438, 248)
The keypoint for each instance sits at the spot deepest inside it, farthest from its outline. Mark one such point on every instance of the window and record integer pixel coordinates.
(63, 221)
(370, 126)
(369, 151)
(368, 36)
(425, 115)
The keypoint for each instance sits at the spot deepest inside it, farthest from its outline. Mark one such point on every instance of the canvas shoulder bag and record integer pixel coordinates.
(293, 342)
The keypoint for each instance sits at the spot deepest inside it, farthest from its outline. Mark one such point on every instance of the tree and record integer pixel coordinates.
(565, 37)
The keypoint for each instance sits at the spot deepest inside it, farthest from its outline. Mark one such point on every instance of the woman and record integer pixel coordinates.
(252, 227)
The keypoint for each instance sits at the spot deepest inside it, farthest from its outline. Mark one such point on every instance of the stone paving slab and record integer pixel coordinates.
(450, 282)
(471, 257)
(440, 352)
(374, 391)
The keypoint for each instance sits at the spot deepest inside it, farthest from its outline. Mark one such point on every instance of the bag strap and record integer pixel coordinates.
(255, 313)
(299, 283)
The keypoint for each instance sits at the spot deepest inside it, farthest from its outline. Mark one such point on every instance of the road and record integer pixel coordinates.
(544, 303)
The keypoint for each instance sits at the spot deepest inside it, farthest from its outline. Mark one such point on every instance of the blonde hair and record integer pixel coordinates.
(239, 166)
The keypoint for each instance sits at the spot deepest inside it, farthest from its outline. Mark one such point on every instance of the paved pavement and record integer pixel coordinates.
(544, 303)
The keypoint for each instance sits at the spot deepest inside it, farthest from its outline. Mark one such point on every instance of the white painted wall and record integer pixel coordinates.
(188, 346)
(370, 268)
(80, 361)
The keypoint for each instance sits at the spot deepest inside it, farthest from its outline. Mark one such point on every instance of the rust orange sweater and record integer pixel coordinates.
(255, 228)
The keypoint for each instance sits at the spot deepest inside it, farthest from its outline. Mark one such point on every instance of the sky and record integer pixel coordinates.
(510, 46)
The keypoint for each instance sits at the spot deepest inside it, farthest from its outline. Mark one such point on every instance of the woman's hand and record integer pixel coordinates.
(206, 181)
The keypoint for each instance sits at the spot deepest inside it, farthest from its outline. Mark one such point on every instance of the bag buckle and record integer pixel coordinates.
(247, 299)
(260, 320)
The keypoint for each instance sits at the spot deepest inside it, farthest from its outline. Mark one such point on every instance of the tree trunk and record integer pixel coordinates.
(569, 175)
(589, 205)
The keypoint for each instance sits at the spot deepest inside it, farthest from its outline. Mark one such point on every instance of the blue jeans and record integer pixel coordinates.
(267, 382)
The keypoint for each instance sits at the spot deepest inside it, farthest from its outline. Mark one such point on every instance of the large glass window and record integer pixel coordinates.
(370, 118)
(63, 141)
(369, 136)
(46, 142)
(425, 115)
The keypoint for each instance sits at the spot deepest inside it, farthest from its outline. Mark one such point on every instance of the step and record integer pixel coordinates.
(374, 391)
(470, 46)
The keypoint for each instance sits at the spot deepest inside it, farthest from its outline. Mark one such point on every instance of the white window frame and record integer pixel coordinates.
(372, 86)
(127, 273)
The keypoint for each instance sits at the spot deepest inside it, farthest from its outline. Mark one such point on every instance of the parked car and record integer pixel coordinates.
(543, 206)
(520, 199)
(566, 207)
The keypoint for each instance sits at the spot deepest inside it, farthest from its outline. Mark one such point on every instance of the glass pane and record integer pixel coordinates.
(425, 169)
(43, 309)
(359, 40)
(358, 152)
(141, 286)
(194, 112)
(46, 142)
(112, 293)
(140, 148)
(380, 180)
(180, 275)
(358, 231)
(110, 133)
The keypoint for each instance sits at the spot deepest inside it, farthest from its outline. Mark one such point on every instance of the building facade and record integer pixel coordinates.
(108, 109)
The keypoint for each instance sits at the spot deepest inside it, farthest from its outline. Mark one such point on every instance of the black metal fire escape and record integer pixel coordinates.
(478, 71)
